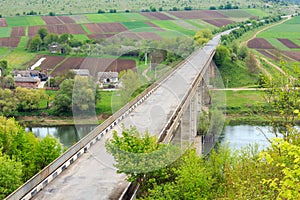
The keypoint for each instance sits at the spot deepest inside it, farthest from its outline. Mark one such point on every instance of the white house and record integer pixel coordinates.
(108, 79)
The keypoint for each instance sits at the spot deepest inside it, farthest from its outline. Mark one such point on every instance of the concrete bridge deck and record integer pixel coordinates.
(93, 176)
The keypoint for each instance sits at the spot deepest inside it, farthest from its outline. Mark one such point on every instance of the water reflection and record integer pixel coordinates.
(67, 135)
(242, 135)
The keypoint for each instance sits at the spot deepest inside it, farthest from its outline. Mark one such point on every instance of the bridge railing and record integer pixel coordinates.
(46, 175)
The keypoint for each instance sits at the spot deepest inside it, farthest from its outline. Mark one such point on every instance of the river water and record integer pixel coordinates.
(236, 136)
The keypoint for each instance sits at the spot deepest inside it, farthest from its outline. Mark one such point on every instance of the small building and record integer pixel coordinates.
(81, 72)
(108, 79)
(27, 82)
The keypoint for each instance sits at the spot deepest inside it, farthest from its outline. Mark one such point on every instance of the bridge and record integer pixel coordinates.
(168, 108)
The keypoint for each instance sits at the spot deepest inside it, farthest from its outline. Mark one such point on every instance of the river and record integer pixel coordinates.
(237, 136)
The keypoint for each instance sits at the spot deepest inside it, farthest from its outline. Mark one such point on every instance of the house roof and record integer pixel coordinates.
(26, 79)
(81, 72)
(107, 75)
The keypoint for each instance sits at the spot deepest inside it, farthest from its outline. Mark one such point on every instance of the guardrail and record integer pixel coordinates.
(132, 188)
(45, 176)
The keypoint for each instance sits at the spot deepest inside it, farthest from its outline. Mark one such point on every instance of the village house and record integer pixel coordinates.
(108, 79)
(27, 82)
(28, 78)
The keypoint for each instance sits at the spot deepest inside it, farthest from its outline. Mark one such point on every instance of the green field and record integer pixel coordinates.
(289, 29)
(5, 32)
(236, 13)
(116, 17)
(277, 44)
(139, 27)
(25, 21)
(257, 12)
(170, 26)
(81, 37)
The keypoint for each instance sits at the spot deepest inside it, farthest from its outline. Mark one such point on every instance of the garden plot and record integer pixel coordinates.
(260, 43)
(17, 32)
(156, 16)
(198, 14)
(9, 42)
(3, 22)
(288, 43)
(218, 22)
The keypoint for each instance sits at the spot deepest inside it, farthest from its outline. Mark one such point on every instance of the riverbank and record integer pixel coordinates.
(32, 121)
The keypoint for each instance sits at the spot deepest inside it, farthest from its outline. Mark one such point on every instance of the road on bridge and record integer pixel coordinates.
(93, 175)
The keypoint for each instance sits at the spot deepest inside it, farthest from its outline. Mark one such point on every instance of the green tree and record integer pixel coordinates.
(7, 82)
(11, 175)
(63, 98)
(51, 38)
(29, 99)
(139, 155)
(64, 38)
(3, 67)
(42, 32)
(8, 102)
(84, 94)
(48, 149)
(222, 53)
(35, 44)
(243, 52)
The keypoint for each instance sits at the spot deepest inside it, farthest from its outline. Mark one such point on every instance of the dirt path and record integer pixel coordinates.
(262, 68)
(275, 66)
(258, 32)
(145, 74)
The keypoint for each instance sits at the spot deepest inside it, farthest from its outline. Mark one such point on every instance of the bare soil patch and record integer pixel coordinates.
(10, 42)
(156, 16)
(267, 54)
(218, 22)
(95, 65)
(50, 20)
(66, 19)
(260, 43)
(288, 43)
(292, 54)
(17, 32)
(149, 36)
(3, 22)
(198, 14)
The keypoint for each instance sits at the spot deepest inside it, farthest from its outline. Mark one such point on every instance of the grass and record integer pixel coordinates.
(5, 32)
(234, 74)
(236, 13)
(25, 21)
(139, 27)
(116, 17)
(170, 26)
(257, 12)
(239, 102)
(18, 57)
(85, 29)
(81, 37)
(3, 51)
(289, 29)
(23, 42)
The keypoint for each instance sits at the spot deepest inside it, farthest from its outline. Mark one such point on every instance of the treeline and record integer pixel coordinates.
(45, 41)
(22, 155)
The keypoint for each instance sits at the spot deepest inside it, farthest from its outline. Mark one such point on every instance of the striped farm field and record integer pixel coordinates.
(289, 29)
(116, 17)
